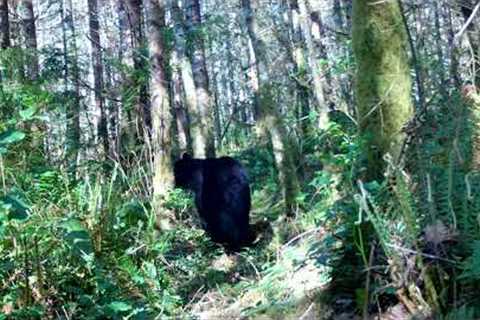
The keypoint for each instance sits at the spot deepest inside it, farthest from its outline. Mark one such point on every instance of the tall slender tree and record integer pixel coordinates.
(29, 31)
(4, 25)
(268, 117)
(72, 85)
(97, 62)
(161, 110)
(473, 33)
(198, 128)
(140, 63)
(183, 137)
(314, 68)
(200, 76)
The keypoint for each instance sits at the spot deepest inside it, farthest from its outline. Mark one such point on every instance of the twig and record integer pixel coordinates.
(418, 72)
(251, 263)
(367, 283)
(426, 255)
(301, 235)
(305, 314)
(467, 23)
(194, 296)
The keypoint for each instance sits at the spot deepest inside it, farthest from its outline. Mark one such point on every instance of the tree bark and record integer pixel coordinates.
(200, 75)
(383, 83)
(97, 63)
(298, 54)
(473, 33)
(29, 30)
(198, 128)
(269, 120)
(454, 78)
(181, 117)
(315, 70)
(161, 112)
(4, 25)
(141, 105)
(72, 94)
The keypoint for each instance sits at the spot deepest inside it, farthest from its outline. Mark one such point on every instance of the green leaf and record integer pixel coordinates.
(17, 209)
(28, 114)
(11, 136)
(119, 306)
(78, 238)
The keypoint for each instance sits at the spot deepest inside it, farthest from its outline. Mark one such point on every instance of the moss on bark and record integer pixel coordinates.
(383, 82)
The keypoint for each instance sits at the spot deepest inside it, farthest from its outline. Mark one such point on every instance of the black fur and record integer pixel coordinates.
(222, 197)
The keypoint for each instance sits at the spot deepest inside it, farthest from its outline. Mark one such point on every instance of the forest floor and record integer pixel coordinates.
(283, 276)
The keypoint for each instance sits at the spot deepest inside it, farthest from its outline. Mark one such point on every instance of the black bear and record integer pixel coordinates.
(222, 197)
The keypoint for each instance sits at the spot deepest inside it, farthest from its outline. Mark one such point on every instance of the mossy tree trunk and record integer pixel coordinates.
(383, 83)
(161, 112)
(205, 102)
(295, 47)
(142, 123)
(269, 120)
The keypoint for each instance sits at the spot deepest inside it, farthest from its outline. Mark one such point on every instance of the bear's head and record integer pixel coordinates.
(187, 172)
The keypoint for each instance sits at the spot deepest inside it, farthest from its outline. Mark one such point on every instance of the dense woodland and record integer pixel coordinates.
(358, 123)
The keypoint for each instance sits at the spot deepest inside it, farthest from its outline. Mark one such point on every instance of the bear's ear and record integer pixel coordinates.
(186, 156)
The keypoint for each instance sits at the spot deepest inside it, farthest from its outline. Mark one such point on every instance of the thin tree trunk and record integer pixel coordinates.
(454, 76)
(301, 69)
(73, 104)
(127, 136)
(473, 33)
(200, 75)
(97, 62)
(4, 25)
(318, 35)
(142, 101)
(17, 71)
(315, 69)
(198, 129)
(268, 116)
(438, 48)
(161, 112)
(181, 116)
(29, 30)
(338, 14)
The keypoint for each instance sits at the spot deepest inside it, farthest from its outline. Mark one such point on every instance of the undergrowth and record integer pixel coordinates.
(89, 248)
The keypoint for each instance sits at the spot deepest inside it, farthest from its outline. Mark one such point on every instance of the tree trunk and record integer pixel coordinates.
(4, 25)
(454, 78)
(301, 69)
(29, 30)
(473, 33)
(97, 63)
(439, 49)
(200, 75)
(198, 129)
(315, 69)
(72, 94)
(181, 117)
(383, 84)
(143, 121)
(161, 112)
(268, 116)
